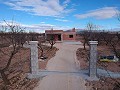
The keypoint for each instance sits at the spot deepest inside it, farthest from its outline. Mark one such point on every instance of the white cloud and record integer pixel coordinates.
(35, 27)
(118, 26)
(102, 13)
(40, 7)
(42, 22)
(66, 1)
(62, 20)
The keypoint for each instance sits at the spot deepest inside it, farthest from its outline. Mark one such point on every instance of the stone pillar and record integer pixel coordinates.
(34, 57)
(93, 59)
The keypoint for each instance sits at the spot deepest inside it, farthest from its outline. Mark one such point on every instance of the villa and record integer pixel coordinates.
(60, 35)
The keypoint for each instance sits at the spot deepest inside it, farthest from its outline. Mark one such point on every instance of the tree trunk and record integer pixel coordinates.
(41, 53)
(39, 46)
(51, 46)
(4, 78)
(84, 46)
(52, 42)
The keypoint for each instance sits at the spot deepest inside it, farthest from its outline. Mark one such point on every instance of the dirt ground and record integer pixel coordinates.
(19, 68)
(103, 83)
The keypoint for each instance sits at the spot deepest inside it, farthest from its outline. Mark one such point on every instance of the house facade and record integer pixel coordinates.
(60, 35)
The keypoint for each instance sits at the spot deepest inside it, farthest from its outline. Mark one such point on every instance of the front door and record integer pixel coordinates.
(59, 37)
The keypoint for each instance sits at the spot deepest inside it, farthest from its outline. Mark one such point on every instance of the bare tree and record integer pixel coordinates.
(52, 39)
(40, 46)
(89, 34)
(12, 38)
(113, 41)
(86, 36)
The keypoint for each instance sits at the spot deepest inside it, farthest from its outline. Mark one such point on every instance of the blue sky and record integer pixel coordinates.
(39, 15)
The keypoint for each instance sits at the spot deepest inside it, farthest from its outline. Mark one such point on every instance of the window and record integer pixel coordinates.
(70, 36)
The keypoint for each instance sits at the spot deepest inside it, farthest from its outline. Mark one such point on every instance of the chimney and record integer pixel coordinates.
(73, 29)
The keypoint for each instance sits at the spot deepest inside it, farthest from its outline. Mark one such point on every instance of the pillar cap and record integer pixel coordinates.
(93, 42)
(33, 42)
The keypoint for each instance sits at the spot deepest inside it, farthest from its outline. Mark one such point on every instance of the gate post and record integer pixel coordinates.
(93, 59)
(34, 56)
(34, 67)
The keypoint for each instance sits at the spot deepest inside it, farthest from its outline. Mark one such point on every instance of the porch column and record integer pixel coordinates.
(62, 37)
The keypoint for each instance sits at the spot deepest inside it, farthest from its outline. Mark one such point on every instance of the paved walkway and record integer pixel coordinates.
(64, 61)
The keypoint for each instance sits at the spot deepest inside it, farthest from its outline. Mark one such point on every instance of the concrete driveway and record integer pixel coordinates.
(64, 61)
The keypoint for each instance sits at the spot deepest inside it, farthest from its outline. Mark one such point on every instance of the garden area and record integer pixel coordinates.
(20, 66)
(108, 46)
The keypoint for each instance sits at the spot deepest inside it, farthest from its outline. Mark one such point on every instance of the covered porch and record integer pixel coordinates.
(56, 35)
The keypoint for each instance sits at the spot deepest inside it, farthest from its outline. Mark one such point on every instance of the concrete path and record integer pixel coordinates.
(64, 61)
